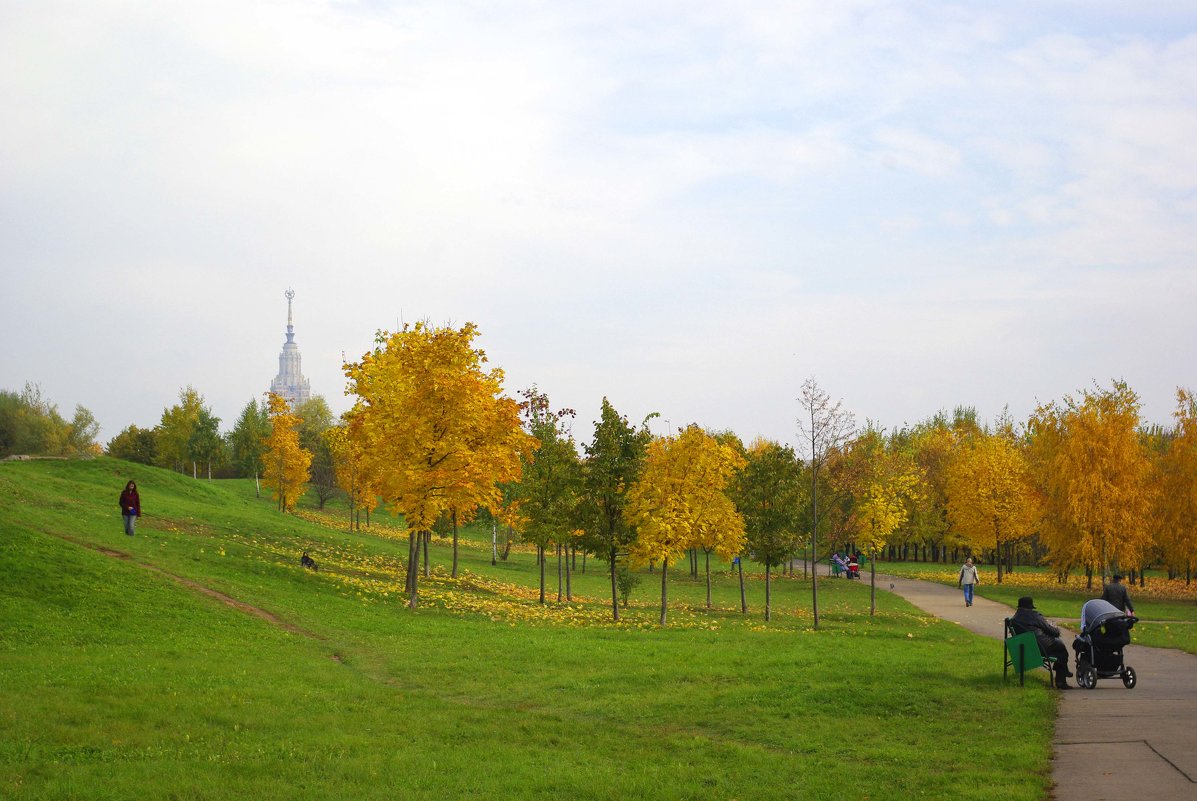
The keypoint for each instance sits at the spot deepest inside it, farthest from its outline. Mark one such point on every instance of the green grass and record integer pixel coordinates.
(119, 681)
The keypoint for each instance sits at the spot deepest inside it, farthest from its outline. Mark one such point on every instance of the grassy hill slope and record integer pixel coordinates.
(197, 660)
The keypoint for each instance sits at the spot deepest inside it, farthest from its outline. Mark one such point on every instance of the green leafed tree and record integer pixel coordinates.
(31, 424)
(614, 459)
(205, 445)
(252, 427)
(134, 444)
(317, 418)
(175, 427)
(548, 490)
(771, 494)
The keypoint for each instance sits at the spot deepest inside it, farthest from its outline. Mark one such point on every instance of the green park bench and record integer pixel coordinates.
(1021, 652)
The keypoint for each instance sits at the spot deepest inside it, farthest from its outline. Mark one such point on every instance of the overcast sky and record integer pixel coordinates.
(687, 207)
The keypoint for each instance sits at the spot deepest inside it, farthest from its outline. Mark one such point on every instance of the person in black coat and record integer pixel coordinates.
(1115, 592)
(1027, 618)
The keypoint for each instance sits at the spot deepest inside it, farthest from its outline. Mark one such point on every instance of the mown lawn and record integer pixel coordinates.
(119, 681)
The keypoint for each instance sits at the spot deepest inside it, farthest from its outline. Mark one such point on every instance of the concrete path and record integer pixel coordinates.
(1110, 742)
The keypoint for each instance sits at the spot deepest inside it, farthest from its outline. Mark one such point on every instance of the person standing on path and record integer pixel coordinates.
(130, 507)
(967, 580)
(1115, 592)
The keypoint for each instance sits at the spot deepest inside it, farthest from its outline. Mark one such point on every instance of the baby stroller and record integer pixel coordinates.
(1105, 631)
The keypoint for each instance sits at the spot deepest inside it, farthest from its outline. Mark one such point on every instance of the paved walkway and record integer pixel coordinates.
(1111, 742)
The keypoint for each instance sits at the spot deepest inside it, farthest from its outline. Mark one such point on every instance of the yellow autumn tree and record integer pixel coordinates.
(1094, 477)
(877, 485)
(991, 501)
(349, 463)
(679, 502)
(1177, 499)
(439, 434)
(285, 463)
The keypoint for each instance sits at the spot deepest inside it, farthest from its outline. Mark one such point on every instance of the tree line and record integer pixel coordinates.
(1082, 485)
(31, 425)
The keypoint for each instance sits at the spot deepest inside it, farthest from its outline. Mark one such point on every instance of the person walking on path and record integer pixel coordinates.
(1027, 618)
(967, 580)
(1115, 592)
(130, 507)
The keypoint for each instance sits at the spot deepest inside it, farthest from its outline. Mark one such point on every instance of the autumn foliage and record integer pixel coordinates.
(285, 463)
(679, 502)
(440, 433)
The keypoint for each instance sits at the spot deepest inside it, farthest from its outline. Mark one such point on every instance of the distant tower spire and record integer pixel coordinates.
(290, 383)
(290, 295)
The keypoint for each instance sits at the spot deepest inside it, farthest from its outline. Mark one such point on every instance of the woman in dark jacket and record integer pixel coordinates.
(130, 507)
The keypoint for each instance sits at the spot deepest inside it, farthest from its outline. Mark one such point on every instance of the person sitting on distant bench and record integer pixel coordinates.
(853, 567)
(1027, 618)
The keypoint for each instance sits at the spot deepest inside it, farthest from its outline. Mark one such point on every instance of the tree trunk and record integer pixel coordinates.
(708, 556)
(507, 546)
(768, 597)
(257, 485)
(614, 594)
(494, 543)
(427, 541)
(664, 590)
(413, 570)
(453, 514)
(872, 586)
(560, 582)
(540, 559)
(743, 597)
(814, 536)
(569, 592)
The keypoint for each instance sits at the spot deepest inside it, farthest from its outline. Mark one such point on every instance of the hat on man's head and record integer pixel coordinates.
(1117, 577)
(1026, 602)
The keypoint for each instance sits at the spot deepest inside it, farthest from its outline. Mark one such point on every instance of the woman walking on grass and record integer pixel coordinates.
(130, 507)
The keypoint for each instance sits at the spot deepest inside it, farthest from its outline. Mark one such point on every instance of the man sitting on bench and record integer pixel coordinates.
(1027, 618)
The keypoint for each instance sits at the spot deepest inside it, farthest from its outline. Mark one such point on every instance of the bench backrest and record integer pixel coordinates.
(1031, 657)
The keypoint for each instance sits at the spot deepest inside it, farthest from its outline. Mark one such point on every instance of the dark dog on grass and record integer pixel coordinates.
(308, 561)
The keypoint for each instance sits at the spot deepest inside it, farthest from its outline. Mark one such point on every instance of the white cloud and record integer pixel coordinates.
(684, 207)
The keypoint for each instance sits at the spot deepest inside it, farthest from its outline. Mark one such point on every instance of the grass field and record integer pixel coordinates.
(1167, 609)
(197, 660)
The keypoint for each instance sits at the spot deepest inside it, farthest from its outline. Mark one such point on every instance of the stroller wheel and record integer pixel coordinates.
(1086, 675)
(1129, 679)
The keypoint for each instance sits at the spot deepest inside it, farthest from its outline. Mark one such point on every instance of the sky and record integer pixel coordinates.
(688, 208)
